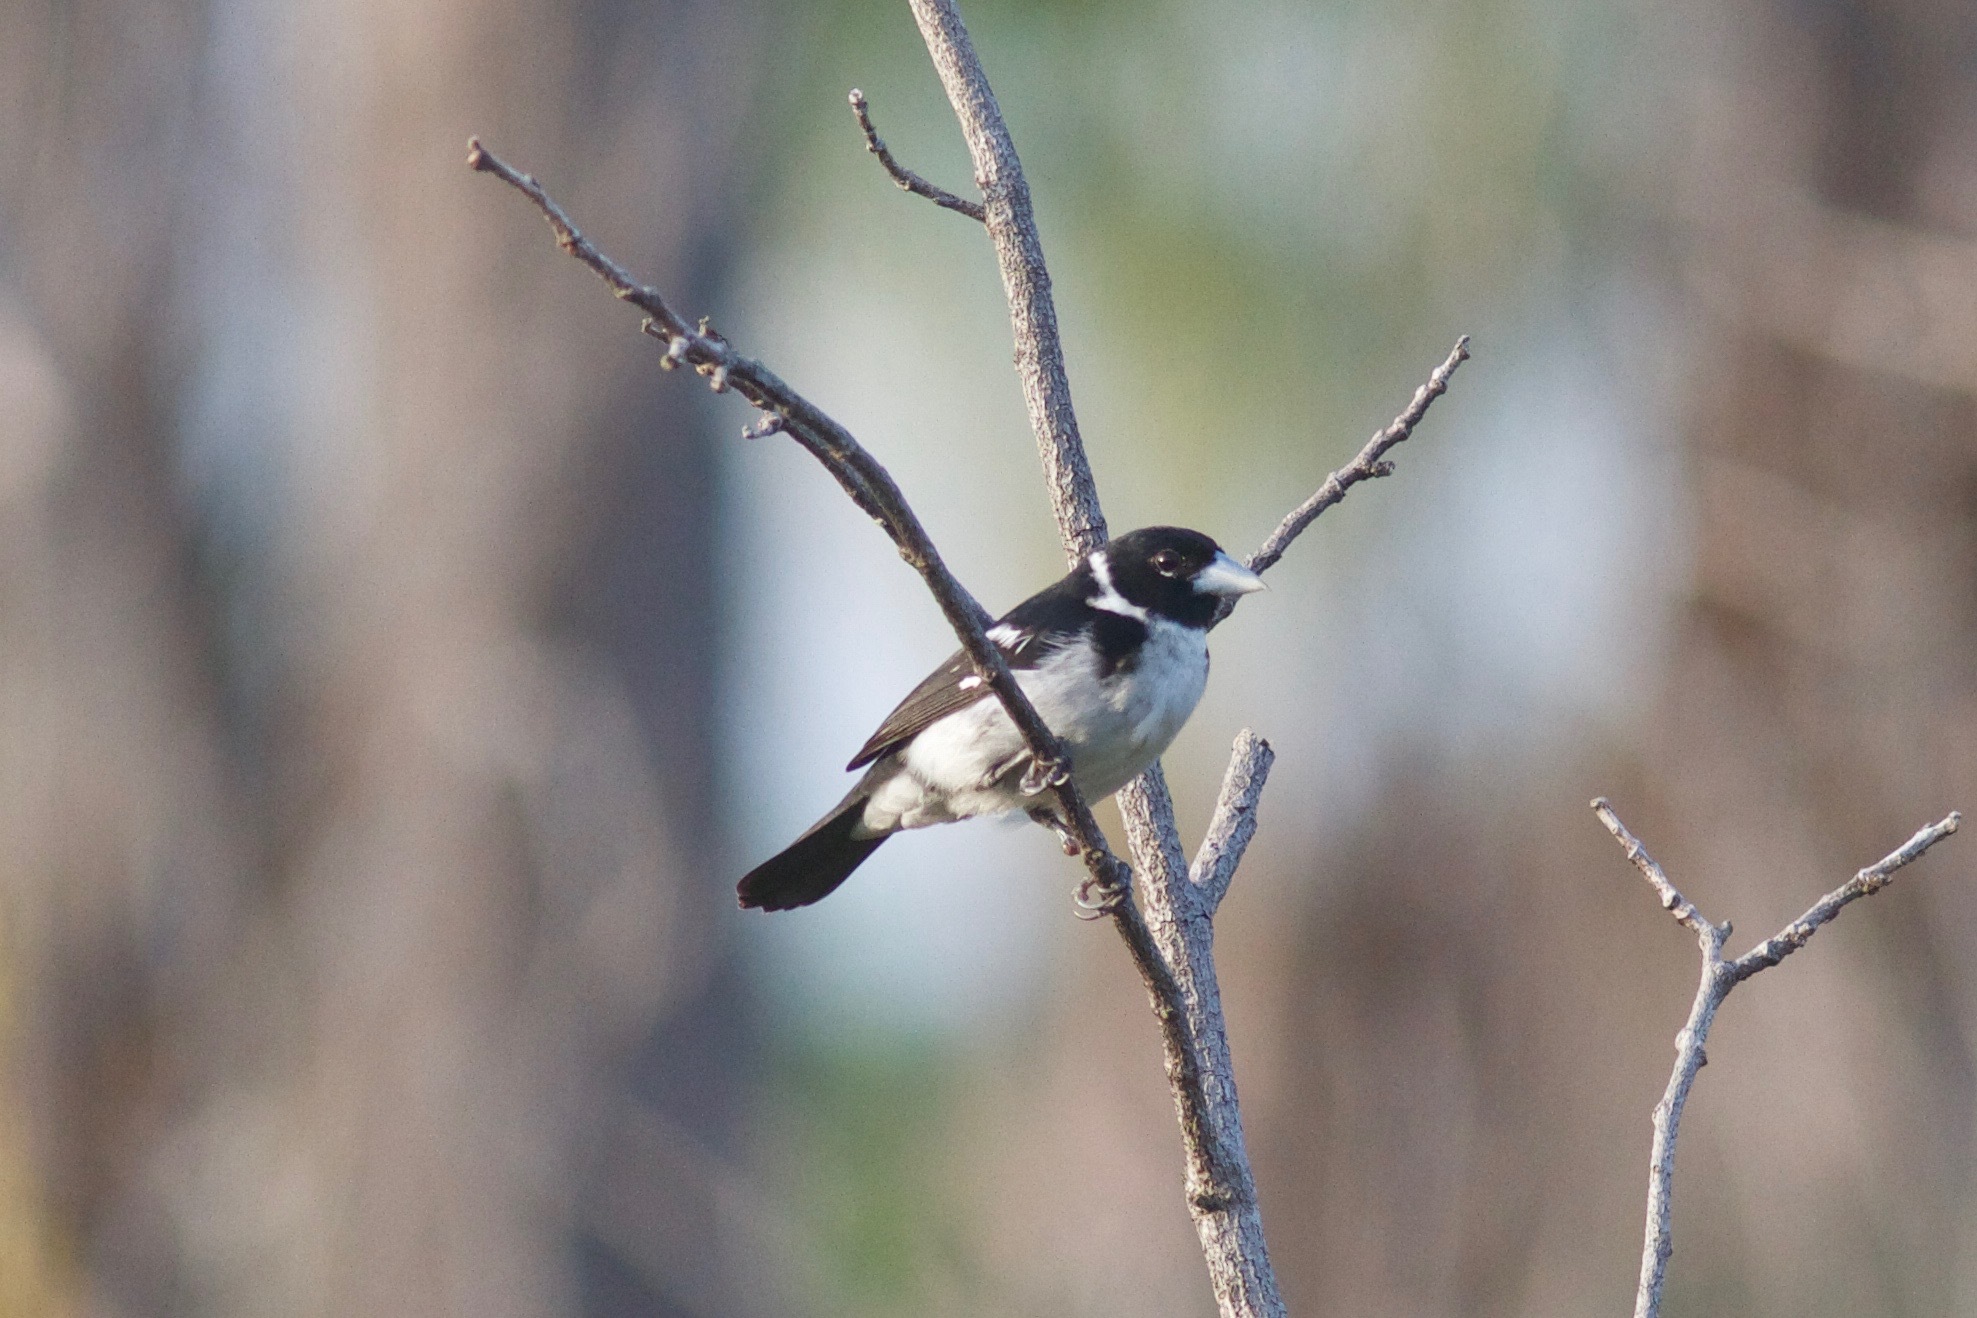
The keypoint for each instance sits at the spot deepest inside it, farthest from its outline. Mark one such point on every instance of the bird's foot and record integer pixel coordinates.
(1042, 775)
(1098, 897)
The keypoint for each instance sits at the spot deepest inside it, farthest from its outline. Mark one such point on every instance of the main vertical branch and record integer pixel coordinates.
(1179, 965)
(1025, 279)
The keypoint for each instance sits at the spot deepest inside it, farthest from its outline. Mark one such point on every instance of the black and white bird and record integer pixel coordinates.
(1114, 657)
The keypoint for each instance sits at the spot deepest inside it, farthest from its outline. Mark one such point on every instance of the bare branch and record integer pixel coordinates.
(1658, 1243)
(1234, 821)
(868, 483)
(1151, 834)
(1864, 884)
(1671, 901)
(1367, 466)
(1177, 962)
(903, 176)
(1171, 943)
(1221, 1190)
(1025, 280)
(1717, 979)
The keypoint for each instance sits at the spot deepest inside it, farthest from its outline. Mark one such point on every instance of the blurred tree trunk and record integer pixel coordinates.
(357, 665)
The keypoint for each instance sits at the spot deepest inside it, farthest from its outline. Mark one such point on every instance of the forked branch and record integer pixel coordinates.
(1221, 1190)
(1171, 944)
(1718, 978)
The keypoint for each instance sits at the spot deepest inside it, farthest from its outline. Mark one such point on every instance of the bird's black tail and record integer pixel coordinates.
(810, 868)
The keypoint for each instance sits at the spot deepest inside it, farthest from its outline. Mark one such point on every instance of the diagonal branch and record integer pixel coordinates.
(868, 483)
(903, 176)
(872, 487)
(1672, 901)
(1864, 884)
(1718, 978)
(1369, 465)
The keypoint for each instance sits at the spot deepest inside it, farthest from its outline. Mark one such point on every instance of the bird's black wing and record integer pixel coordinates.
(1025, 635)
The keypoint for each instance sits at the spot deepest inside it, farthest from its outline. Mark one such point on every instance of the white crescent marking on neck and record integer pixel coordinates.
(1108, 597)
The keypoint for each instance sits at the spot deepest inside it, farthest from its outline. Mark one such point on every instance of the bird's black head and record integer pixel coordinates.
(1176, 573)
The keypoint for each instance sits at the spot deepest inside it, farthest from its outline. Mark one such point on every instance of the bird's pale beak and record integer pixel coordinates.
(1225, 577)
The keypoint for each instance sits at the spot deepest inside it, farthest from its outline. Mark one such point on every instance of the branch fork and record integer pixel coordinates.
(1717, 978)
(1171, 940)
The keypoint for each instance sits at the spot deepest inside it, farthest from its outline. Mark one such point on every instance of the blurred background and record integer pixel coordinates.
(396, 668)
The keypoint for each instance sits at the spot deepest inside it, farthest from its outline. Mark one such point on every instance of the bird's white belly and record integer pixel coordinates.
(1113, 728)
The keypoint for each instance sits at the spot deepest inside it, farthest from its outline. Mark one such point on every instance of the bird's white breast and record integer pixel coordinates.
(1143, 708)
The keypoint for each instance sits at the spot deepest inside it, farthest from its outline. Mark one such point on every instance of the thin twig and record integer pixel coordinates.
(1369, 465)
(1718, 978)
(903, 176)
(1672, 901)
(863, 478)
(1864, 884)
(1234, 821)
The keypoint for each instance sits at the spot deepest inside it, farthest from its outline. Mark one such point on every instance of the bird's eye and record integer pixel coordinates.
(1166, 562)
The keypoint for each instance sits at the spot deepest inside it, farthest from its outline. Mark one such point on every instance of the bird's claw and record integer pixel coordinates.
(1043, 775)
(1098, 897)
